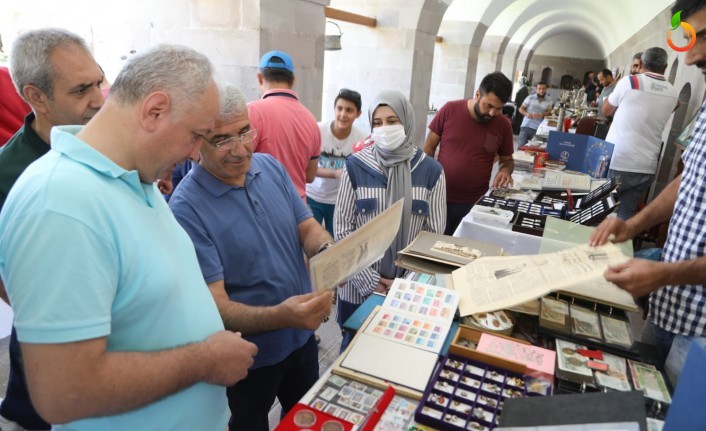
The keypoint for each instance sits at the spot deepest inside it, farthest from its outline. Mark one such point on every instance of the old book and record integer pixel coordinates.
(449, 250)
(412, 323)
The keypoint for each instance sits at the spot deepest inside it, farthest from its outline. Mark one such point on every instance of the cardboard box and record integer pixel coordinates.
(581, 153)
(474, 335)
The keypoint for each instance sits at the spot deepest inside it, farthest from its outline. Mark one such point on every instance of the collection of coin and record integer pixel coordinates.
(468, 395)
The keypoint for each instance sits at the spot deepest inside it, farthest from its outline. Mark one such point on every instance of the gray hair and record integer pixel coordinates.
(30, 61)
(179, 71)
(233, 102)
(654, 59)
(637, 56)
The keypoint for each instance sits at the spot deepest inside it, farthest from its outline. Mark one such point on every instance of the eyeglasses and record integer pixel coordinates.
(226, 144)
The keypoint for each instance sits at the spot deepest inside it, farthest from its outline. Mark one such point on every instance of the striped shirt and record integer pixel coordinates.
(680, 309)
(357, 205)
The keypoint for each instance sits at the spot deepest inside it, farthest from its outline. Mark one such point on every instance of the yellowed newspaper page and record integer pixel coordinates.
(356, 251)
(495, 283)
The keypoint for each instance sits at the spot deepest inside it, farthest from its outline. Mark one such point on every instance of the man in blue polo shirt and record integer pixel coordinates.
(251, 231)
(116, 325)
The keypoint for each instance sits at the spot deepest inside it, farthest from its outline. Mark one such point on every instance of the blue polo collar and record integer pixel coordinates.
(218, 188)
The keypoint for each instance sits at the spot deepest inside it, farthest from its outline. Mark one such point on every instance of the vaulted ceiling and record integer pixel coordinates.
(600, 26)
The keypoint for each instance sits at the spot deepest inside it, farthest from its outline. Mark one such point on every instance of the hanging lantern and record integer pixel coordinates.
(333, 41)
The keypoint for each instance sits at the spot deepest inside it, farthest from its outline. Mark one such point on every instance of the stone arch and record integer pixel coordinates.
(668, 161)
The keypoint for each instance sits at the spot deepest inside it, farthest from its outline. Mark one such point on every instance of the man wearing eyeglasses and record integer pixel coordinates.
(116, 326)
(249, 227)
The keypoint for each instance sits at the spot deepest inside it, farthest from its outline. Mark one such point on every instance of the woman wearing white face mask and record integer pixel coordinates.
(394, 167)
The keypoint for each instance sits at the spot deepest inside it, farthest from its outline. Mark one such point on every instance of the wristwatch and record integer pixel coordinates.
(324, 247)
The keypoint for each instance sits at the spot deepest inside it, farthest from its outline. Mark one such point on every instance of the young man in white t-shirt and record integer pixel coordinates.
(641, 105)
(337, 140)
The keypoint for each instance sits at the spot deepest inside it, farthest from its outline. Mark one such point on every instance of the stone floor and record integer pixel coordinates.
(329, 347)
(4, 364)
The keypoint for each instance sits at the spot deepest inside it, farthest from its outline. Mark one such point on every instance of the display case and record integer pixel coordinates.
(465, 394)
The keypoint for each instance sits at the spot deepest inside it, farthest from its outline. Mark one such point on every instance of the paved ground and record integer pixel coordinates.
(329, 347)
(4, 364)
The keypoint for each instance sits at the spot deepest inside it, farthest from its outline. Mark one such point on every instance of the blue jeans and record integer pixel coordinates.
(671, 349)
(251, 398)
(677, 356)
(17, 405)
(323, 213)
(526, 133)
(660, 338)
(344, 310)
(630, 188)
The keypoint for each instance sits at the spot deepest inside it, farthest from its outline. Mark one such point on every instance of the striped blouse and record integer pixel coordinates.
(357, 204)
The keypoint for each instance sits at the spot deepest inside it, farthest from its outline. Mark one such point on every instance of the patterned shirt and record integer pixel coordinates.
(680, 309)
(357, 206)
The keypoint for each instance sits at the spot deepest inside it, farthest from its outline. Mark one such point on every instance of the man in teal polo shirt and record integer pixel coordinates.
(251, 230)
(116, 324)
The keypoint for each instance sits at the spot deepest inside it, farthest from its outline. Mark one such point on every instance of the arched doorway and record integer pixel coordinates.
(547, 75)
(669, 159)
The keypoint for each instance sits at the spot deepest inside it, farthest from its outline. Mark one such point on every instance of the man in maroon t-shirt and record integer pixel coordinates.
(472, 133)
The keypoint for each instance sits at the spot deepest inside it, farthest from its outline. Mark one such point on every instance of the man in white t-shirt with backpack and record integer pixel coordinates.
(337, 140)
(641, 105)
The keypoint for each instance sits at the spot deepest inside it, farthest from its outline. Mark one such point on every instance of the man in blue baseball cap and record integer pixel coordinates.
(285, 128)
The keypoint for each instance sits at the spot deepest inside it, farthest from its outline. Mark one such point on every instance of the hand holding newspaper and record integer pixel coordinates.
(495, 283)
(355, 252)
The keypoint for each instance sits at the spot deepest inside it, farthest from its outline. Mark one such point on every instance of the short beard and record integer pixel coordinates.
(479, 115)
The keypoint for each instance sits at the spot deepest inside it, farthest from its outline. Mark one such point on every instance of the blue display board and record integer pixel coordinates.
(581, 153)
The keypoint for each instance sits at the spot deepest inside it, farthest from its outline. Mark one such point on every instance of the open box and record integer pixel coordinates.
(491, 216)
(305, 418)
(465, 394)
(473, 335)
(530, 224)
(529, 360)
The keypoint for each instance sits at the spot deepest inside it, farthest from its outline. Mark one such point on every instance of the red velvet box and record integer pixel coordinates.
(306, 418)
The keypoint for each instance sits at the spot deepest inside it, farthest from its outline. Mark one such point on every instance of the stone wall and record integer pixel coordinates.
(560, 66)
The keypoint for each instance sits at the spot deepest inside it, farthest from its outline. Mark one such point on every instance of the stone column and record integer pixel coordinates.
(235, 34)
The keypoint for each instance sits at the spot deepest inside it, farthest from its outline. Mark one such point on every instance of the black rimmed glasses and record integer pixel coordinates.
(226, 144)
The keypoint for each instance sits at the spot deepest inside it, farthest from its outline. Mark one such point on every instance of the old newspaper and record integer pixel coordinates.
(494, 283)
(356, 251)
